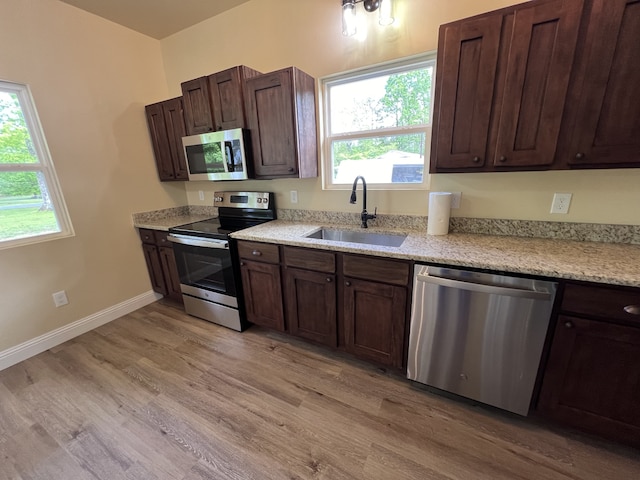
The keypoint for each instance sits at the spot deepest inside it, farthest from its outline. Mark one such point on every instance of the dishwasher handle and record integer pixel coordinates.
(483, 288)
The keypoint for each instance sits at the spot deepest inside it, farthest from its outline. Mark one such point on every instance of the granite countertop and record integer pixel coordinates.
(169, 222)
(612, 263)
(172, 217)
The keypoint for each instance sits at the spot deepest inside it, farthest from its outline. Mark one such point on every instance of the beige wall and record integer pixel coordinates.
(262, 35)
(90, 80)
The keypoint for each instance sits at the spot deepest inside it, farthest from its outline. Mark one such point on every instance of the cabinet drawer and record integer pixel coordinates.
(318, 261)
(146, 235)
(259, 252)
(601, 301)
(378, 270)
(161, 238)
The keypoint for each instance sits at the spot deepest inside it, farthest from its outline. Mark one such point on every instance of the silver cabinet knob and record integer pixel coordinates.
(632, 309)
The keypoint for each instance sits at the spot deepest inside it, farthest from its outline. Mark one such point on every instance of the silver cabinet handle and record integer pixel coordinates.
(568, 324)
(480, 287)
(632, 309)
(256, 253)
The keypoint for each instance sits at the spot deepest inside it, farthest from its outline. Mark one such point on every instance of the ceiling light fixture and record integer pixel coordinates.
(349, 13)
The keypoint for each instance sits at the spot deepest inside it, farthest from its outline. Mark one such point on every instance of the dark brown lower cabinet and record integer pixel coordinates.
(154, 267)
(355, 303)
(170, 272)
(311, 305)
(263, 294)
(375, 318)
(592, 377)
(161, 263)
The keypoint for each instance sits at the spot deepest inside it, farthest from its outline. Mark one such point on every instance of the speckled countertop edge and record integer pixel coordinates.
(612, 263)
(172, 217)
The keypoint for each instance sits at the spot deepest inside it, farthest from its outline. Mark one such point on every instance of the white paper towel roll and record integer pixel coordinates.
(439, 210)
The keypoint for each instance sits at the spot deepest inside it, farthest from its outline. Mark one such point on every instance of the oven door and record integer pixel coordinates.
(204, 264)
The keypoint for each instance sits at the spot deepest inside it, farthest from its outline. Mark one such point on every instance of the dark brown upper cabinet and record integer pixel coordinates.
(227, 97)
(197, 106)
(166, 128)
(281, 115)
(602, 124)
(216, 102)
(466, 74)
(501, 87)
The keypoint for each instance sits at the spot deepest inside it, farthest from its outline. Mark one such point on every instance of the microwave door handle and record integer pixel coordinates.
(228, 156)
(200, 242)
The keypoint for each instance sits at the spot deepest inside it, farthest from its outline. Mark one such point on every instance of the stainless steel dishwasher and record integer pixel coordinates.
(479, 335)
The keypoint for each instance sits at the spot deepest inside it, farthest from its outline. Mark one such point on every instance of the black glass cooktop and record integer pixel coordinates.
(210, 228)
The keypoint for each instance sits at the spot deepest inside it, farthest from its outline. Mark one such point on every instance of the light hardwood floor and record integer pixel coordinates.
(161, 395)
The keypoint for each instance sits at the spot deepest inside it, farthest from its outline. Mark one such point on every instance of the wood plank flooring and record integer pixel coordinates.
(158, 394)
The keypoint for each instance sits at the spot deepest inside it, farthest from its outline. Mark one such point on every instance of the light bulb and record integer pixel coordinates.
(386, 12)
(348, 17)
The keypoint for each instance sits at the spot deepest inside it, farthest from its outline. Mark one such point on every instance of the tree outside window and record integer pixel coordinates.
(377, 123)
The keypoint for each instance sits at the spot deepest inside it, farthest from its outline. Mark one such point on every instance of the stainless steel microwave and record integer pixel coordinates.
(219, 155)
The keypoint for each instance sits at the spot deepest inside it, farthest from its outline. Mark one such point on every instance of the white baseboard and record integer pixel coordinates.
(49, 340)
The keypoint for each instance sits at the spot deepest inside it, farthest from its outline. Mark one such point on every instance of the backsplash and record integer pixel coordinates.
(585, 232)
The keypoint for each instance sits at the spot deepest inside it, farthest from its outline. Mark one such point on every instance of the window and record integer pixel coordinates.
(31, 206)
(377, 123)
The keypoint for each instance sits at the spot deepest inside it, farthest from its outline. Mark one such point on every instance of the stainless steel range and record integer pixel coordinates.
(206, 257)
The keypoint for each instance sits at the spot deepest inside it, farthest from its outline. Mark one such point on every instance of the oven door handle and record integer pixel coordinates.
(198, 242)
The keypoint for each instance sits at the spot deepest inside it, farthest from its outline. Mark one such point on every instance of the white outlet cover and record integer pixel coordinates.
(455, 199)
(561, 203)
(60, 298)
(294, 196)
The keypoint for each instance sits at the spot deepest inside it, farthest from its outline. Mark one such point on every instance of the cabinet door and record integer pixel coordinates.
(197, 106)
(174, 121)
(154, 266)
(374, 315)
(592, 379)
(311, 305)
(606, 122)
(227, 100)
(170, 272)
(467, 63)
(263, 294)
(537, 74)
(270, 117)
(160, 141)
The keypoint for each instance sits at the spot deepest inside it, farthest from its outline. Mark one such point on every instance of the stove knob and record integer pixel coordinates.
(218, 199)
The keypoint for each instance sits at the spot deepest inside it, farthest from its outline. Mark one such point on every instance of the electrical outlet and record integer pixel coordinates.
(201, 194)
(60, 298)
(455, 199)
(561, 202)
(294, 196)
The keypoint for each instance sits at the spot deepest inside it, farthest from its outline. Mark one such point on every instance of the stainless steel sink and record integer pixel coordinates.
(355, 236)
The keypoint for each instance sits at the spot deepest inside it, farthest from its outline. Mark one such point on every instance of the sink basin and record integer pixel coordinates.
(356, 236)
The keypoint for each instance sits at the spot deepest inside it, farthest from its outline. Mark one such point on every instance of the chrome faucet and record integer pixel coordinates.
(364, 216)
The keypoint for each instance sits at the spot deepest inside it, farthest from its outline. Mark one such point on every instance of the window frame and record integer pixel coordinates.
(44, 165)
(423, 60)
